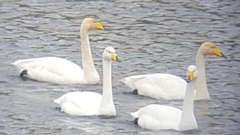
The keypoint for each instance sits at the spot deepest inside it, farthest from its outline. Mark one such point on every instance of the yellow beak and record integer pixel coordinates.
(190, 75)
(99, 26)
(114, 56)
(217, 52)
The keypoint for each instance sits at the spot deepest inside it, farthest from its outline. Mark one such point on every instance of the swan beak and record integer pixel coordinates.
(99, 26)
(218, 53)
(190, 75)
(114, 56)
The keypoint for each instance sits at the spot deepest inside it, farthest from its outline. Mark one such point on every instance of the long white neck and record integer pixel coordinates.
(90, 73)
(107, 106)
(188, 120)
(201, 84)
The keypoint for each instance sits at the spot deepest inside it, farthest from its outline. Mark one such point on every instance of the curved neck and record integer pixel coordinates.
(188, 120)
(87, 60)
(107, 106)
(201, 84)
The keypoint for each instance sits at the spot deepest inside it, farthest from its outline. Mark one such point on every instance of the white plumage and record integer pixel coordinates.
(51, 69)
(170, 87)
(161, 117)
(91, 103)
(61, 71)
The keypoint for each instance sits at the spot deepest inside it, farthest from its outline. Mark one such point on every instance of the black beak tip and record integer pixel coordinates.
(224, 56)
(118, 60)
(187, 80)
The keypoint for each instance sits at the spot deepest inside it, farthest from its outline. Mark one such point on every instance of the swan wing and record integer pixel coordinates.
(158, 117)
(159, 86)
(51, 69)
(80, 103)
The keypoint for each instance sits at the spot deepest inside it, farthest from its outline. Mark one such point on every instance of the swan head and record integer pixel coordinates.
(92, 24)
(109, 54)
(209, 48)
(192, 72)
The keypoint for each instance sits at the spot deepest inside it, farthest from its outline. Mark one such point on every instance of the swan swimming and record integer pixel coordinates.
(61, 71)
(162, 117)
(92, 103)
(171, 87)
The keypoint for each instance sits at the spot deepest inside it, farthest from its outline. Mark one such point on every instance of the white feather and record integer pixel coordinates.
(91, 103)
(170, 87)
(161, 117)
(61, 71)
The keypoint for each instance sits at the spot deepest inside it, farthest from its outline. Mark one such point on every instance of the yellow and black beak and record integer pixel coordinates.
(190, 75)
(114, 56)
(99, 26)
(218, 53)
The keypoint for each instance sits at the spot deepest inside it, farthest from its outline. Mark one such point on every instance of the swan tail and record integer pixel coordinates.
(18, 65)
(134, 114)
(57, 101)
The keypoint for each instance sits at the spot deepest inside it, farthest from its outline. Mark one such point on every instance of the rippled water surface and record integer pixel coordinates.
(150, 37)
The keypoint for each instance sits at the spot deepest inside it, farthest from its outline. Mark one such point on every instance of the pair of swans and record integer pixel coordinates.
(171, 87)
(92, 103)
(61, 71)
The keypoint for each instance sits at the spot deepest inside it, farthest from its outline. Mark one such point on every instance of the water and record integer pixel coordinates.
(149, 36)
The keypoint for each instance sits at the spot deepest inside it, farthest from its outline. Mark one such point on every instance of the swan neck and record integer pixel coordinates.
(90, 72)
(201, 84)
(107, 106)
(188, 120)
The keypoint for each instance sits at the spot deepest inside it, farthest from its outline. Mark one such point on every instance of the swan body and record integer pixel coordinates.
(92, 103)
(61, 71)
(159, 86)
(80, 103)
(161, 117)
(170, 87)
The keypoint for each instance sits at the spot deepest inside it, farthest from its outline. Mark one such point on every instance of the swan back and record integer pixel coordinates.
(158, 117)
(159, 86)
(51, 69)
(80, 103)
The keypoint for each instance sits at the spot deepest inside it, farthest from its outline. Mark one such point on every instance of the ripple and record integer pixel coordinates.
(149, 36)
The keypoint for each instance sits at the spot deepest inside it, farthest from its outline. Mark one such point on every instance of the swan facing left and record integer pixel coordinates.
(91, 103)
(161, 117)
(61, 71)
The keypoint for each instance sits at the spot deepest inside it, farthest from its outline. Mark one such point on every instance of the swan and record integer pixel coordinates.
(92, 103)
(61, 71)
(171, 87)
(161, 117)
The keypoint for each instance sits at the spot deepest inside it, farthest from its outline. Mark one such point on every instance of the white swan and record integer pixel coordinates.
(161, 117)
(169, 87)
(91, 103)
(61, 71)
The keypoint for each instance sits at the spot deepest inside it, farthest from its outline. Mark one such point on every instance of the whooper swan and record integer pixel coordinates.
(91, 103)
(161, 117)
(170, 87)
(61, 71)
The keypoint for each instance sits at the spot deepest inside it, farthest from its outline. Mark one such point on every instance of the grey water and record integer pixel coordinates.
(150, 37)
